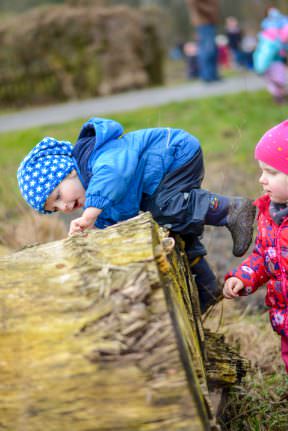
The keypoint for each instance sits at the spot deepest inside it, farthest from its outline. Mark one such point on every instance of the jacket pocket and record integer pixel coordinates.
(271, 261)
(278, 319)
(153, 174)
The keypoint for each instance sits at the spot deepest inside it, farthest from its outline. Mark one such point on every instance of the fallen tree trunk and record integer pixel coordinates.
(103, 332)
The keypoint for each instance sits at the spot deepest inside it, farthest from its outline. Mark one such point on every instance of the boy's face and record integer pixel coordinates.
(274, 183)
(68, 196)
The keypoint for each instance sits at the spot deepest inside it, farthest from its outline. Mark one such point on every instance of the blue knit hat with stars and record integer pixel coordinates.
(43, 169)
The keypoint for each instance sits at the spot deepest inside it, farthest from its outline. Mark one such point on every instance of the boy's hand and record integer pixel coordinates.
(87, 220)
(231, 287)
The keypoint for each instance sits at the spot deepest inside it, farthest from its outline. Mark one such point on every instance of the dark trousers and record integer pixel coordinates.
(181, 205)
(207, 57)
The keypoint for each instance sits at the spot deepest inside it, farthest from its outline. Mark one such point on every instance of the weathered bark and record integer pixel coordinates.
(103, 332)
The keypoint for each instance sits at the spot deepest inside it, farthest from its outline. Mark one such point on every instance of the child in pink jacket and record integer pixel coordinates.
(268, 262)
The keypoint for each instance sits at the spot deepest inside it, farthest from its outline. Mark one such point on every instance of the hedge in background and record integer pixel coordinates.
(63, 52)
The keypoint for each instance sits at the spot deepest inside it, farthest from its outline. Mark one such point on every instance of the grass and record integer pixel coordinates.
(256, 405)
(228, 128)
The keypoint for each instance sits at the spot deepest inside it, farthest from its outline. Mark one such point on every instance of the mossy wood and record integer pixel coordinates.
(103, 332)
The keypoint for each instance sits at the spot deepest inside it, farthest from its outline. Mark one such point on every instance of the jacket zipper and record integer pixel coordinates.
(282, 270)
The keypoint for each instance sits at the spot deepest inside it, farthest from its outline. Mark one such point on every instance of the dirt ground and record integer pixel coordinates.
(234, 181)
(244, 321)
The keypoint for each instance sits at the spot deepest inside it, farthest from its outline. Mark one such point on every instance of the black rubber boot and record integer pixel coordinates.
(208, 289)
(240, 219)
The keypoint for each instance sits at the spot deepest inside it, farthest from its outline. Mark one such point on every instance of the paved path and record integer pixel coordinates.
(102, 106)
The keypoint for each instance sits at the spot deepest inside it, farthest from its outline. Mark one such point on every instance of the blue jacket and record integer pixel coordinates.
(116, 168)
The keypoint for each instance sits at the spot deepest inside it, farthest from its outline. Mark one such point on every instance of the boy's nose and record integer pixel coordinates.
(63, 207)
(67, 208)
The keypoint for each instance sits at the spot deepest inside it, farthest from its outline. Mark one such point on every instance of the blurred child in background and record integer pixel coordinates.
(190, 50)
(271, 52)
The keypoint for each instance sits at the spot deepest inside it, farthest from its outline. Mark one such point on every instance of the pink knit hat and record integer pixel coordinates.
(272, 148)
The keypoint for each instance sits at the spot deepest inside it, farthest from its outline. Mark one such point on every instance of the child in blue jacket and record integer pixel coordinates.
(112, 176)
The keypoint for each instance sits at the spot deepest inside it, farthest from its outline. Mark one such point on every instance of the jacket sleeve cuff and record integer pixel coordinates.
(96, 201)
(249, 283)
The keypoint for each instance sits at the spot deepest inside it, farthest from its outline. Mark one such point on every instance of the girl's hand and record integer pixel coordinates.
(232, 287)
(87, 221)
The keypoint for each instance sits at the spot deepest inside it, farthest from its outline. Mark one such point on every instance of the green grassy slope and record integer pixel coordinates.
(227, 126)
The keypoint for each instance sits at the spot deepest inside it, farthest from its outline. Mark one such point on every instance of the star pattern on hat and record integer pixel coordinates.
(42, 170)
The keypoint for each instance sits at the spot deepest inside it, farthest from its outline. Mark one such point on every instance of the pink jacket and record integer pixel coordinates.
(268, 263)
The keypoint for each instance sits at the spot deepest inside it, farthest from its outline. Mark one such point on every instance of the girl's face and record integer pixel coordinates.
(274, 183)
(68, 196)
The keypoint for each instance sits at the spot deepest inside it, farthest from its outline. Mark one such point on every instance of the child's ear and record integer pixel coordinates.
(73, 174)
